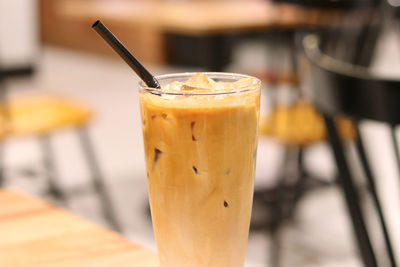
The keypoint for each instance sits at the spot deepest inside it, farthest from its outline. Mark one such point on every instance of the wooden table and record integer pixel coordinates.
(143, 25)
(34, 233)
(200, 17)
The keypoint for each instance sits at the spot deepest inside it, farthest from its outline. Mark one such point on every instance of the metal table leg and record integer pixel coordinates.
(98, 180)
(351, 196)
(49, 164)
(5, 115)
(372, 186)
(395, 145)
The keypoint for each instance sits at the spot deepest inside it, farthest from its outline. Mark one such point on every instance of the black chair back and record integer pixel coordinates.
(344, 88)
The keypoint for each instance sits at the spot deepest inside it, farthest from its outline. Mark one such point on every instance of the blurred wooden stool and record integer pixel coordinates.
(300, 124)
(42, 115)
(296, 126)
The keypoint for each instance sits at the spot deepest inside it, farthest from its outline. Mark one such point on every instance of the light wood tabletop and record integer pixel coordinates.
(200, 17)
(144, 26)
(35, 233)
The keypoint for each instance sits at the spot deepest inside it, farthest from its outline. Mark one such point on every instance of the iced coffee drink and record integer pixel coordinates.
(200, 136)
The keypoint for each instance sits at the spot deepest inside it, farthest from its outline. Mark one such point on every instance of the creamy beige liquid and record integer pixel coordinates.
(200, 155)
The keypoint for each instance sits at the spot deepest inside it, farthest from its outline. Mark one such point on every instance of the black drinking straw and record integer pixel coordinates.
(121, 50)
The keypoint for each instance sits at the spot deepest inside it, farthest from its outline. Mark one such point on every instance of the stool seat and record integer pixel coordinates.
(301, 124)
(41, 114)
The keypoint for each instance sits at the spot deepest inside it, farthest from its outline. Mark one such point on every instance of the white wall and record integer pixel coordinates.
(19, 34)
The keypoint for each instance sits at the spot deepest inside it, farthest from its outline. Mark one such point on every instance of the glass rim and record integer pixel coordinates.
(144, 87)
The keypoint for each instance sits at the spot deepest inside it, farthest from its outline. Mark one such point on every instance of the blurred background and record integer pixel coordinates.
(71, 132)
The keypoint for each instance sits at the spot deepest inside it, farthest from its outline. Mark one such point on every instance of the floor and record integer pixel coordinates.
(319, 235)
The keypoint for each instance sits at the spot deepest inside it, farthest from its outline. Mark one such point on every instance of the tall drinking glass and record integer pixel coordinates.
(200, 153)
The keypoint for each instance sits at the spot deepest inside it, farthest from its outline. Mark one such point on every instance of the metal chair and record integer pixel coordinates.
(342, 88)
(304, 126)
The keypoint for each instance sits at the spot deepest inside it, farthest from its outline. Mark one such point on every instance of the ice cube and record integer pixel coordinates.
(244, 83)
(186, 87)
(200, 80)
(174, 86)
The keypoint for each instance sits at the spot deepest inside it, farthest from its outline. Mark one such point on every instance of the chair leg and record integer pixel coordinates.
(287, 189)
(5, 115)
(98, 180)
(2, 167)
(276, 247)
(49, 164)
(351, 196)
(372, 186)
(395, 145)
(300, 185)
(277, 220)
